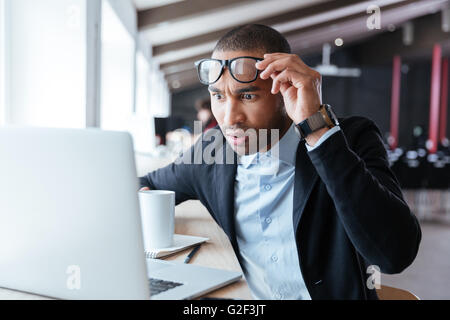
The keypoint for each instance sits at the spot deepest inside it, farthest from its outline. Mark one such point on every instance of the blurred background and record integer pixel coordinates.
(128, 65)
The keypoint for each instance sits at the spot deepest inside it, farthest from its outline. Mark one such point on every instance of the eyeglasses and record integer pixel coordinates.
(242, 69)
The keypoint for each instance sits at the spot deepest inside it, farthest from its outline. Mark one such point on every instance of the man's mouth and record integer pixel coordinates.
(237, 140)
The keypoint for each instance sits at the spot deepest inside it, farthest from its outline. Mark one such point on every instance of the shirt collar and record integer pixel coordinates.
(287, 150)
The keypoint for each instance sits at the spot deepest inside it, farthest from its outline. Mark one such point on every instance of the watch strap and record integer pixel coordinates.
(313, 123)
(317, 121)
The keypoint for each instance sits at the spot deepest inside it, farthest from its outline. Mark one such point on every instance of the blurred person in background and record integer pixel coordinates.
(205, 115)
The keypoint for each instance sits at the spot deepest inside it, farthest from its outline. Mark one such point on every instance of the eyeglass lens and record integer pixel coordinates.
(242, 69)
(210, 71)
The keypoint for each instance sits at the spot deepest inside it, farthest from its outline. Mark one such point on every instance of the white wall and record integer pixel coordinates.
(144, 46)
(127, 14)
(143, 125)
(47, 63)
(160, 93)
(2, 64)
(118, 71)
(125, 99)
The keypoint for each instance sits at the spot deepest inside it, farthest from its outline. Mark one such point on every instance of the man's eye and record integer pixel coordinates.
(218, 96)
(248, 96)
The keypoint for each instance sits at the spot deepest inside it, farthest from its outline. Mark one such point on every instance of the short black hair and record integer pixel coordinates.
(253, 37)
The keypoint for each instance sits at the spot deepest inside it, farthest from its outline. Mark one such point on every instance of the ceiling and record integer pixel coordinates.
(182, 32)
(149, 4)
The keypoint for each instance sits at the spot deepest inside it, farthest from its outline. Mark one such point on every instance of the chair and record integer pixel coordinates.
(390, 293)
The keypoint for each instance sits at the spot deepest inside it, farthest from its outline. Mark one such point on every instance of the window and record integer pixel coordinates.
(142, 84)
(46, 59)
(142, 127)
(117, 76)
(48, 52)
(160, 95)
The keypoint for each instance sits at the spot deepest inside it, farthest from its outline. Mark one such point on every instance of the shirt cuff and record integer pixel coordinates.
(327, 134)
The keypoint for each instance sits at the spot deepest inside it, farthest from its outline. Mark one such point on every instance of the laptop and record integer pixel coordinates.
(70, 223)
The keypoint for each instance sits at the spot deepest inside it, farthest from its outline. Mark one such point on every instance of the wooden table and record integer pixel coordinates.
(191, 218)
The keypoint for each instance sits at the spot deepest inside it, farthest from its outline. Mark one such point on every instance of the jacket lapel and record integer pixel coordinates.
(225, 175)
(305, 179)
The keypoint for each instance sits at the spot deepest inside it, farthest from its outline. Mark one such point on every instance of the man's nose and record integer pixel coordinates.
(233, 113)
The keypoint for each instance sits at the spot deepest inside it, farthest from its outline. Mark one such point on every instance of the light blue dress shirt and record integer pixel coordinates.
(264, 191)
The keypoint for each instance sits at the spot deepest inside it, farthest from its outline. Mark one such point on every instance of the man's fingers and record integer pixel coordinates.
(274, 75)
(291, 77)
(145, 189)
(268, 59)
(277, 65)
(284, 87)
(280, 61)
(271, 69)
(281, 64)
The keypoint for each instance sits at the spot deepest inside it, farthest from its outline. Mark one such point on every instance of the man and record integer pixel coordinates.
(331, 209)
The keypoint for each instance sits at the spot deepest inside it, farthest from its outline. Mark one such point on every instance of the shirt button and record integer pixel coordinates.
(268, 187)
(274, 258)
(268, 220)
(278, 296)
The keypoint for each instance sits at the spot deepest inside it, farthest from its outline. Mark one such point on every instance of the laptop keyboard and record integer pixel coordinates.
(158, 286)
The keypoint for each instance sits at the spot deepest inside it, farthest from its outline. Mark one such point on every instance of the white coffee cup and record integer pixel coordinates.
(158, 218)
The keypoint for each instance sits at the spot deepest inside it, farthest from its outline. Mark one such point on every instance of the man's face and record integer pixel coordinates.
(239, 107)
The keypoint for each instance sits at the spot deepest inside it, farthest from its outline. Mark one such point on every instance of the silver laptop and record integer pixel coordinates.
(70, 224)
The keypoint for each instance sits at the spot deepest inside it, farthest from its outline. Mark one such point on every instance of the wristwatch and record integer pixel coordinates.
(325, 117)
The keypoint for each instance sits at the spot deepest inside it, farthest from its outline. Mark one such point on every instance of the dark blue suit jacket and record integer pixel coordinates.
(349, 212)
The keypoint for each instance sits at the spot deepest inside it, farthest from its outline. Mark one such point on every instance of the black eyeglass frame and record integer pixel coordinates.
(226, 63)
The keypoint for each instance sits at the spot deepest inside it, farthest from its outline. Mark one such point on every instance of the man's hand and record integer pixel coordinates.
(300, 86)
(145, 189)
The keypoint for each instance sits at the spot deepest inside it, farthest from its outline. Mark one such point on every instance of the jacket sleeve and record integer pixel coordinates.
(367, 197)
(177, 176)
